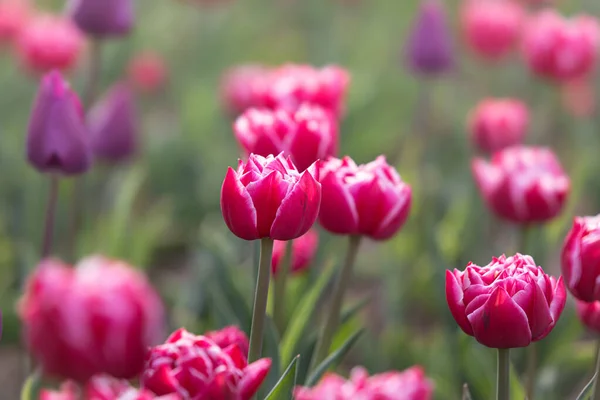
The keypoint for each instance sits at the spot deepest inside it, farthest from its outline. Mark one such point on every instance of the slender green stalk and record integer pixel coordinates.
(48, 238)
(280, 281)
(596, 390)
(503, 381)
(260, 299)
(335, 307)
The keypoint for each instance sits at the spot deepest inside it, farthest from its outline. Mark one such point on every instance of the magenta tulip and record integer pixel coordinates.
(303, 252)
(589, 314)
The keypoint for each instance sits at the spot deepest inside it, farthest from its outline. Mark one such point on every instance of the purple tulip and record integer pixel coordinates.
(103, 18)
(57, 140)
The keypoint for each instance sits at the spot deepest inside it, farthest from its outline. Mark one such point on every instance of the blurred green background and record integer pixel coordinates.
(161, 212)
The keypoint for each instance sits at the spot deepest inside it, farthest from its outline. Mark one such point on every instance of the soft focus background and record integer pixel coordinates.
(162, 213)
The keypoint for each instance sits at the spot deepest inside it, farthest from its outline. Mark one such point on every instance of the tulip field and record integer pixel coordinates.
(299, 200)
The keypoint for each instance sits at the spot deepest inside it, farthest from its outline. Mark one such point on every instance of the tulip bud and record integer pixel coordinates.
(508, 303)
(49, 42)
(369, 199)
(580, 259)
(113, 125)
(498, 123)
(99, 317)
(306, 135)
(195, 367)
(589, 314)
(147, 71)
(429, 49)
(268, 198)
(57, 140)
(102, 18)
(230, 335)
(14, 16)
(561, 49)
(242, 87)
(410, 384)
(492, 28)
(522, 184)
(303, 252)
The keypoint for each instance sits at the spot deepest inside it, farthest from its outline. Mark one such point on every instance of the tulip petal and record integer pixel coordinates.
(267, 195)
(298, 210)
(238, 208)
(500, 322)
(533, 302)
(557, 305)
(254, 375)
(338, 211)
(396, 217)
(454, 298)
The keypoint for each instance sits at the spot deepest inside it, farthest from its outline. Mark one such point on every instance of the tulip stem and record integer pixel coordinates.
(503, 382)
(335, 307)
(596, 391)
(50, 217)
(260, 300)
(531, 370)
(280, 284)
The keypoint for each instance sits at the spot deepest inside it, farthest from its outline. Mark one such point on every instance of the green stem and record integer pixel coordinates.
(260, 300)
(503, 382)
(335, 308)
(531, 353)
(525, 239)
(280, 284)
(596, 390)
(50, 217)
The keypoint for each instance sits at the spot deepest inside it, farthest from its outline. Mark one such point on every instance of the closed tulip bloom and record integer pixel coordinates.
(492, 28)
(561, 49)
(580, 258)
(147, 71)
(307, 135)
(498, 123)
(230, 335)
(410, 384)
(268, 198)
(522, 184)
(99, 317)
(429, 49)
(49, 42)
(102, 18)
(304, 249)
(589, 314)
(242, 87)
(195, 367)
(14, 16)
(369, 199)
(57, 139)
(113, 125)
(508, 303)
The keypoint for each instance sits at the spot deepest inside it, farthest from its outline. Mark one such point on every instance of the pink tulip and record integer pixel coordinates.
(579, 97)
(522, 184)
(498, 123)
(99, 317)
(303, 252)
(242, 86)
(369, 199)
(228, 336)
(581, 258)
(561, 49)
(14, 16)
(268, 198)
(195, 367)
(410, 384)
(508, 303)
(306, 135)
(589, 314)
(492, 27)
(147, 71)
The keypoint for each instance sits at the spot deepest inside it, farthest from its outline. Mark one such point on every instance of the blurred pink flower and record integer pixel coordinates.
(147, 71)
(242, 86)
(589, 314)
(579, 97)
(303, 252)
(14, 16)
(410, 384)
(230, 335)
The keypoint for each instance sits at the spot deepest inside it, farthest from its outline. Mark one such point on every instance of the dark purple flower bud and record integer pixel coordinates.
(113, 125)
(103, 17)
(429, 48)
(57, 140)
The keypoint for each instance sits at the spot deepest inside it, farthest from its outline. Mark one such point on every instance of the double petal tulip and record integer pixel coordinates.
(241, 87)
(369, 199)
(561, 49)
(410, 384)
(195, 367)
(429, 49)
(303, 252)
(498, 123)
(589, 314)
(492, 28)
(523, 184)
(57, 140)
(49, 42)
(230, 335)
(103, 18)
(508, 303)
(268, 198)
(112, 123)
(99, 317)
(306, 135)
(580, 258)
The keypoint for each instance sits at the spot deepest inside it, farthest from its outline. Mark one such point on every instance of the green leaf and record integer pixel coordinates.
(271, 350)
(31, 387)
(517, 391)
(334, 358)
(303, 314)
(283, 390)
(351, 311)
(587, 390)
(466, 394)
